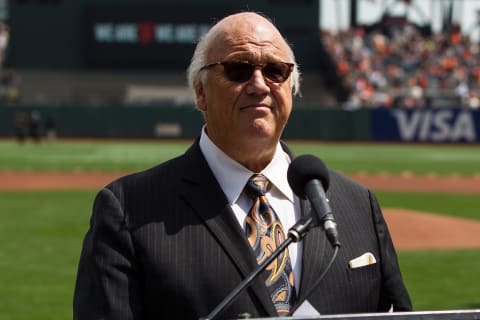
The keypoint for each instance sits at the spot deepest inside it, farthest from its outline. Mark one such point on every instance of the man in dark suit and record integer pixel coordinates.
(170, 242)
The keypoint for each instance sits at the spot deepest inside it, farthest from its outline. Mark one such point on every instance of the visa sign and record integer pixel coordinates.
(432, 125)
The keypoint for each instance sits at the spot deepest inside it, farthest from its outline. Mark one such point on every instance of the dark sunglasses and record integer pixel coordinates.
(241, 71)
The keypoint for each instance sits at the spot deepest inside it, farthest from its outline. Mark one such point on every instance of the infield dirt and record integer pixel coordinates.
(408, 228)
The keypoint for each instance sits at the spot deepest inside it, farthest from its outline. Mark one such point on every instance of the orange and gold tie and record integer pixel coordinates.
(265, 233)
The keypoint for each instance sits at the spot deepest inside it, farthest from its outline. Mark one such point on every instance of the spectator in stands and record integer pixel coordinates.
(9, 78)
(34, 126)
(50, 129)
(9, 85)
(4, 39)
(21, 125)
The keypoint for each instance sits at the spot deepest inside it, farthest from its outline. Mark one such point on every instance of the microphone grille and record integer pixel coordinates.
(305, 168)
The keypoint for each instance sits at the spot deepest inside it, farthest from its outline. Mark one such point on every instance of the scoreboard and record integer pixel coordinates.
(146, 36)
(122, 34)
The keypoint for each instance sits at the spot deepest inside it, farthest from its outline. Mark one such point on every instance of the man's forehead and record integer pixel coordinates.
(253, 31)
(248, 23)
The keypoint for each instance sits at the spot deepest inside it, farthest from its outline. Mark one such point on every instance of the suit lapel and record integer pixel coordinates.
(314, 245)
(201, 190)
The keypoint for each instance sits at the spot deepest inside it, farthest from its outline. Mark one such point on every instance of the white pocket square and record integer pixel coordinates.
(365, 259)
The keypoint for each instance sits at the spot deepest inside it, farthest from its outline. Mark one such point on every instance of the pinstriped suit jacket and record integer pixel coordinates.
(164, 243)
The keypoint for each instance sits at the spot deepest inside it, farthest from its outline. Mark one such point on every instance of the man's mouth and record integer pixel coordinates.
(259, 106)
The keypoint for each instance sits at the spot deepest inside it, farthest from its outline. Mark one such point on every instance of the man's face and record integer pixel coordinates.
(253, 112)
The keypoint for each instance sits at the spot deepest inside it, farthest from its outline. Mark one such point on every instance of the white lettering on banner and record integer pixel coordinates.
(104, 32)
(440, 122)
(126, 33)
(186, 33)
(164, 33)
(425, 126)
(435, 125)
(464, 127)
(107, 32)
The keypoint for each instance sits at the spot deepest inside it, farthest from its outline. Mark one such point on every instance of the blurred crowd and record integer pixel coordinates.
(9, 78)
(29, 125)
(406, 68)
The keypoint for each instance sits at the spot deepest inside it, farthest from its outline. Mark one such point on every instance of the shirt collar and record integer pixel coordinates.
(232, 176)
(276, 172)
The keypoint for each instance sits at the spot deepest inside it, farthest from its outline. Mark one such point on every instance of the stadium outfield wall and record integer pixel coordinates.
(441, 125)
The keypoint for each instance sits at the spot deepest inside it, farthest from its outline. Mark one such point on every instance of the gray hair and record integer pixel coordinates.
(200, 56)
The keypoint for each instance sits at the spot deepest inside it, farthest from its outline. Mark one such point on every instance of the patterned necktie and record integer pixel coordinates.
(265, 233)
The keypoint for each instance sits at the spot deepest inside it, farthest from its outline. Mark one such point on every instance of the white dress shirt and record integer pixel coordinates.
(232, 177)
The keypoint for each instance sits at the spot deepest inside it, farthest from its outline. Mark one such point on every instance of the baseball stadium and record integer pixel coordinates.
(94, 90)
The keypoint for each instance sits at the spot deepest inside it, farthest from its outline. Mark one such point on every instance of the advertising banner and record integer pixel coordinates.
(439, 125)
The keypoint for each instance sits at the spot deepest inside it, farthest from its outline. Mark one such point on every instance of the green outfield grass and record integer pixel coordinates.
(442, 280)
(87, 156)
(41, 234)
(136, 155)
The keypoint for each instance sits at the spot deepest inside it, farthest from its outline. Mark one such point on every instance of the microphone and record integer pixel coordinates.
(309, 179)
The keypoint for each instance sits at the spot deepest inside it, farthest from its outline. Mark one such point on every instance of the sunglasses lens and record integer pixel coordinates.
(238, 71)
(242, 71)
(277, 72)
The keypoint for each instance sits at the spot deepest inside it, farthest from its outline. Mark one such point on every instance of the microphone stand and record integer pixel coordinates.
(295, 234)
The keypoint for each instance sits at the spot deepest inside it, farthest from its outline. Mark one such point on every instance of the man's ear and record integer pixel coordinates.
(200, 96)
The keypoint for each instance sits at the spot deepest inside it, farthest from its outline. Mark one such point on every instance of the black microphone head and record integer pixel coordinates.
(305, 168)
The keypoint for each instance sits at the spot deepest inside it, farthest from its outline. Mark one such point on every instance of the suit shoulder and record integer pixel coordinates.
(160, 173)
(340, 180)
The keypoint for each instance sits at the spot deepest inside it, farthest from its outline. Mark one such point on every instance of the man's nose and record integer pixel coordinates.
(257, 82)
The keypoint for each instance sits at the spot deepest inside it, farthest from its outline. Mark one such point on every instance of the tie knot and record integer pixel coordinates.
(257, 185)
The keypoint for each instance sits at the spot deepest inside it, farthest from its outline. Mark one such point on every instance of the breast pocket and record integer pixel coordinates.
(364, 274)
